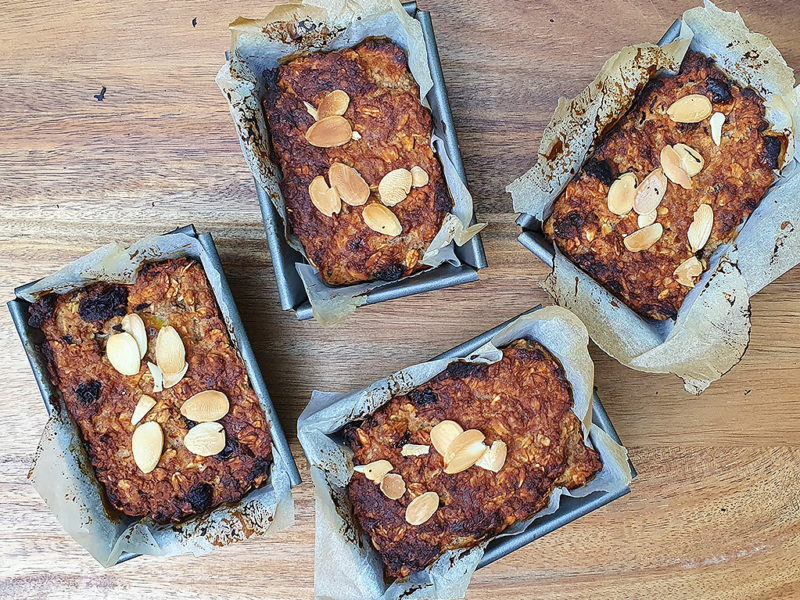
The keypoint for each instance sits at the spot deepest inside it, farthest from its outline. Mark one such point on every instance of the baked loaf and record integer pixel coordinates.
(102, 400)
(653, 270)
(375, 125)
(522, 402)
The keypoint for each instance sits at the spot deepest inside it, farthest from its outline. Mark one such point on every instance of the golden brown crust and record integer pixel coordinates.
(101, 400)
(395, 133)
(735, 177)
(523, 400)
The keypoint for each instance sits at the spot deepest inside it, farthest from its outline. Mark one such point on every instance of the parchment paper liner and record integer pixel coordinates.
(62, 473)
(712, 329)
(330, 25)
(346, 566)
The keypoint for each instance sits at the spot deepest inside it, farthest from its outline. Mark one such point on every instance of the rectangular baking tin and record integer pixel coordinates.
(290, 287)
(31, 338)
(532, 237)
(570, 508)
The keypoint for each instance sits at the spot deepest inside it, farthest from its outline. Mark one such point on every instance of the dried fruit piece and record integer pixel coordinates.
(700, 229)
(349, 184)
(690, 109)
(393, 486)
(209, 405)
(414, 450)
(374, 471)
(142, 408)
(123, 353)
(381, 219)
(687, 271)
(394, 186)
(671, 164)
(134, 325)
(205, 439)
(650, 192)
(146, 444)
(716, 121)
(443, 434)
(172, 379)
(648, 219)
(643, 238)
(325, 198)
(311, 110)
(421, 508)
(158, 377)
(494, 458)
(464, 451)
(419, 177)
(170, 352)
(333, 104)
(621, 194)
(329, 132)
(691, 160)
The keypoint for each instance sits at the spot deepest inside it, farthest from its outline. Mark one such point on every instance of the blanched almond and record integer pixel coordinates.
(205, 439)
(691, 160)
(686, 272)
(419, 177)
(700, 229)
(414, 450)
(146, 445)
(173, 379)
(716, 121)
(671, 164)
(690, 109)
(311, 110)
(374, 471)
(325, 198)
(170, 352)
(648, 219)
(443, 434)
(123, 353)
(209, 405)
(650, 192)
(142, 408)
(643, 238)
(333, 104)
(158, 377)
(621, 194)
(394, 186)
(348, 182)
(494, 458)
(381, 219)
(421, 508)
(329, 132)
(464, 451)
(393, 486)
(134, 325)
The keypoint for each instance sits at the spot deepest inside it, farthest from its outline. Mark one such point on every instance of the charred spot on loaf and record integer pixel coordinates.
(442, 200)
(773, 147)
(462, 369)
(231, 445)
(103, 302)
(570, 226)
(424, 397)
(142, 306)
(88, 391)
(40, 311)
(68, 338)
(719, 89)
(601, 170)
(200, 496)
(391, 273)
(260, 469)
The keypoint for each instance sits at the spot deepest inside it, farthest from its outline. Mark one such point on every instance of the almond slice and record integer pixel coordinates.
(464, 451)
(686, 272)
(691, 160)
(648, 219)
(690, 109)
(393, 486)
(381, 219)
(700, 229)
(716, 121)
(147, 443)
(142, 408)
(205, 439)
(419, 177)
(443, 434)
(374, 471)
(173, 379)
(134, 325)
(170, 352)
(414, 450)
(122, 352)
(325, 198)
(209, 405)
(329, 132)
(650, 192)
(621, 194)
(421, 508)
(311, 110)
(494, 458)
(643, 238)
(394, 186)
(333, 104)
(671, 164)
(158, 377)
(349, 184)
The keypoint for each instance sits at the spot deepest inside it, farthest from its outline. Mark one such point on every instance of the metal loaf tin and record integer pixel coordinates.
(532, 237)
(290, 287)
(31, 338)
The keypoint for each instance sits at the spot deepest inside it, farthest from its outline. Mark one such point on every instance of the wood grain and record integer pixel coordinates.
(715, 511)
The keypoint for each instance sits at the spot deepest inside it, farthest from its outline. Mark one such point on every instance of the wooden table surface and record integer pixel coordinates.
(715, 511)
